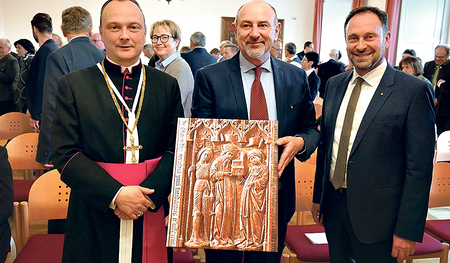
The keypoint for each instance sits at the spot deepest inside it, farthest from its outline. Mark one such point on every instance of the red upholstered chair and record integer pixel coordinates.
(48, 199)
(21, 192)
(183, 257)
(296, 240)
(440, 196)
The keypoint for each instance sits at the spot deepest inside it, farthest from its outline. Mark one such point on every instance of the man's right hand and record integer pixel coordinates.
(34, 124)
(315, 210)
(131, 201)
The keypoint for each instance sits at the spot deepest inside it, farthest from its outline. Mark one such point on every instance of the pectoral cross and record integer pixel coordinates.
(133, 148)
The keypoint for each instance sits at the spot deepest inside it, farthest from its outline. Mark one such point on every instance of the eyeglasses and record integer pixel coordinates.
(277, 49)
(163, 38)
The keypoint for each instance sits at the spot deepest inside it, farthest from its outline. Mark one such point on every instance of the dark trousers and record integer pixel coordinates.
(442, 124)
(344, 246)
(235, 256)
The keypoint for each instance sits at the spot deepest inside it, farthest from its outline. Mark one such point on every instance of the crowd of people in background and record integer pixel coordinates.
(29, 78)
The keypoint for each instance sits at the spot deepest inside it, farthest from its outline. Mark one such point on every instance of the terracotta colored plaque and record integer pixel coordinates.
(225, 182)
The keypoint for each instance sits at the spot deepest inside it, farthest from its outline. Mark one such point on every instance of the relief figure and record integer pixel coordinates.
(253, 204)
(202, 198)
(225, 205)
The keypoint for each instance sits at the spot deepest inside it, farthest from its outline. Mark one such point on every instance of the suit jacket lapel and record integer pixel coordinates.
(379, 97)
(278, 81)
(337, 93)
(237, 86)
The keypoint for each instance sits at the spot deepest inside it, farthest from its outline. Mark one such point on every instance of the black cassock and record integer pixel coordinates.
(87, 128)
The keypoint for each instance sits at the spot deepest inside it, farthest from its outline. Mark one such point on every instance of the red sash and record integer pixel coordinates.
(154, 232)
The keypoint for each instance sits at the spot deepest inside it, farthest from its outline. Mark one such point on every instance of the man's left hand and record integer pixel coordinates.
(292, 145)
(402, 248)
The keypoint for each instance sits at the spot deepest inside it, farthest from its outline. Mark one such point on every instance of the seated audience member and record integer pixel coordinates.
(276, 48)
(215, 52)
(413, 66)
(307, 47)
(26, 51)
(198, 57)
(185, 49)
(97, 40)
(166, 37)
(6, 203)
(291, 57)
(58, 40)
(9, 76)
(309, 64)
(229, 51)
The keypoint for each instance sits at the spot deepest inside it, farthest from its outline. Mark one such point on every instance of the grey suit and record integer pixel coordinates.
(9, 76)
(79, 53)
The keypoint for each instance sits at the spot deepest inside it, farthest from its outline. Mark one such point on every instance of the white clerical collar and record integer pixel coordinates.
(247, 65)
(372, 77)
(309, 71)
(123, 68)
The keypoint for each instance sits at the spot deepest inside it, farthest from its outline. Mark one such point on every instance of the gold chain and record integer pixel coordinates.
(141, 99)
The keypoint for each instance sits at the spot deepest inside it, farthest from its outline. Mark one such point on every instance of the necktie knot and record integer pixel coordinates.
(359, 81)
(258, 71)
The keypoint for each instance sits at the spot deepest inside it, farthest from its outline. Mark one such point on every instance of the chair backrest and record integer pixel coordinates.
(318, 109)
(22, 152)
(443, 142)
(304, 184)
(49, 198)
(440, 186)
(13, 124)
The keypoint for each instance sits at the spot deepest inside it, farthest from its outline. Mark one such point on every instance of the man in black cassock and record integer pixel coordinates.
(96, 112)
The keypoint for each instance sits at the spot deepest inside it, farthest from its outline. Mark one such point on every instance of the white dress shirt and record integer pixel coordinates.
(248, 76)
(368, 88)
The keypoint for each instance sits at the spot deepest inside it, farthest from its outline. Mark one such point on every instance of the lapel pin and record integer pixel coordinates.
(382, 94)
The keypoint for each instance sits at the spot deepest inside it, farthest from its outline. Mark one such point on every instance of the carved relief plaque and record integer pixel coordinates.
(225, 182)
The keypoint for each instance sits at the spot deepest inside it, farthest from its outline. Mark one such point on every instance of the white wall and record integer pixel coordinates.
(190, 15)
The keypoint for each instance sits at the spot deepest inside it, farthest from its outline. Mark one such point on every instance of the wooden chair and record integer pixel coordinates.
(440, 196)
(22, 154)
(318, 108)
(13, 124)
(48, 199)
(436, 230)
(302, 248)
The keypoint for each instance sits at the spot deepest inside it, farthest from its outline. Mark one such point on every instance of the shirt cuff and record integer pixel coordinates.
(113, 205)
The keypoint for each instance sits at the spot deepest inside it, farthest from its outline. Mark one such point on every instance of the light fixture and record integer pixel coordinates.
(168, 1)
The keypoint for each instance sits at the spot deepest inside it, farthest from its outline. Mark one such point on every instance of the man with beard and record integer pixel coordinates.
(42, 33)
(254, 85)
(375, 161)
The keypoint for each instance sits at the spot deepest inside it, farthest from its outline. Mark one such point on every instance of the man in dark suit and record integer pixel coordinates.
(223, 90)
(79, 53)
(327, 70)
(437, 72)
(375, 160)
(307, 47)
(42, 33)
(6, 203)
(96, 125)
(199, 56)
(309, 64)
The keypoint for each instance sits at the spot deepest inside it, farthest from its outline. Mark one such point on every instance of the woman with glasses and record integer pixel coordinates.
(166, 37)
